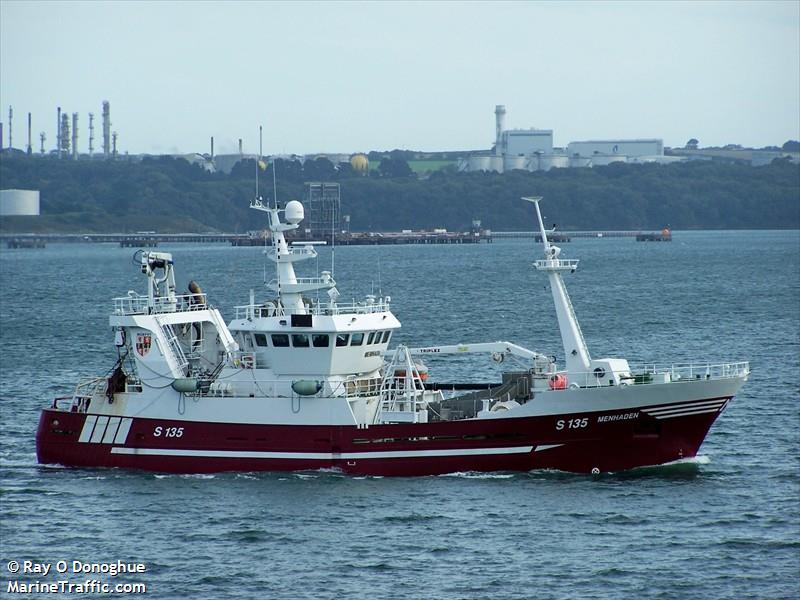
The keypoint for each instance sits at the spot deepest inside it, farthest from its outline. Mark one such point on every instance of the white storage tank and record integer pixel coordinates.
(580, 161)
(478, 162)
(18, 203)
(496, 163)
(550, 161)
(601, 160)
(515, 162)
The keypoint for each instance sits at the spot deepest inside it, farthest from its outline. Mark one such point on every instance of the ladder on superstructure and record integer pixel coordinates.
(402, 391)
(175, 346)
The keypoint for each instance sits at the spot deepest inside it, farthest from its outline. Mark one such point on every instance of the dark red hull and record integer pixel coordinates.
(518, 444)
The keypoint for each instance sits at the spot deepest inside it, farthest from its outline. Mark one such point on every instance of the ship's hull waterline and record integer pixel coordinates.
(575, 442)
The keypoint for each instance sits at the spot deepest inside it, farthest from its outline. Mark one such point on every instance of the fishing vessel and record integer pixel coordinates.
(300, 380)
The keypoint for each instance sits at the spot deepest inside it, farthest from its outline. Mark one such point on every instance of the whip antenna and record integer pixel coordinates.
(258, 162)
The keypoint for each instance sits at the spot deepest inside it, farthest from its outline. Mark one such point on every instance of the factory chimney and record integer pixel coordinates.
(30, 150)
(65, 133)
(1, 137)
(58, 133)
(114, 143)
(42, 138)
(240, 147)
(499, 118)
(74, 136)
(212, 147)
(106, 129)
(10, 116)
(91, 134)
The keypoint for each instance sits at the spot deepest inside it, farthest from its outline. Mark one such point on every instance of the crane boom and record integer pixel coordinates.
(501, 348)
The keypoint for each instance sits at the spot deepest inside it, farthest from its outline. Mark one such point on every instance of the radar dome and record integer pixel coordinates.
(360, 163)
(294, 212)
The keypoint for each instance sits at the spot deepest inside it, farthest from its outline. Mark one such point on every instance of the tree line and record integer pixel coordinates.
(171, 195)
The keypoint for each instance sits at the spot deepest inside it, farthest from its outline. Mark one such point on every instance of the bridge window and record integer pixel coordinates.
(342, 339)
(358, 339)
(261, 339)
(371, 338)
(386, 336)
(320, 340)
(280, 340)
(300, 340)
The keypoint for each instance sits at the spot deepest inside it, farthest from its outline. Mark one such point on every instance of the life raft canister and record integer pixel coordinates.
(558, 382)
(421, 369)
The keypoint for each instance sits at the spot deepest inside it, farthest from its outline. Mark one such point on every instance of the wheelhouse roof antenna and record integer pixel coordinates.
(333, 236)
(258, 165)
(274, 184)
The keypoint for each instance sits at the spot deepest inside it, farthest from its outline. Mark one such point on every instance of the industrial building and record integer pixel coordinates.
(646, 147)
(533, 150)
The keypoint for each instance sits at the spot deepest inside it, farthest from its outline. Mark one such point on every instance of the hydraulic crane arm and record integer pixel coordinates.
(498, 350)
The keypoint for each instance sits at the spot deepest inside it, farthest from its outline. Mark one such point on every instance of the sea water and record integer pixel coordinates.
(723, 525)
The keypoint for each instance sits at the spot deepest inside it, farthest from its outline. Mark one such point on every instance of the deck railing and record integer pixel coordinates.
(349, 389)
(247, 311)
(84, 392)
(134, 304)
(658, 374)
(557, 264)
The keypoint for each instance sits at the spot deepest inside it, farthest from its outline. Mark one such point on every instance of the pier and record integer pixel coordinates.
(138, 242)
(25, 243)
(664, 235)
(413, 237)
(125, 240)
(661, 236)
(152, 239)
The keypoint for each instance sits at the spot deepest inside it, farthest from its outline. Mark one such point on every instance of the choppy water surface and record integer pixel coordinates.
(726, 525)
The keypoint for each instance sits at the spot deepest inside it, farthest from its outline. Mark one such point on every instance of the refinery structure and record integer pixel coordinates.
(513, 149)
(533, 150)
(66, 140)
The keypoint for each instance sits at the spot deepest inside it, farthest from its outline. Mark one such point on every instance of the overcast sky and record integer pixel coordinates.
(358, 76)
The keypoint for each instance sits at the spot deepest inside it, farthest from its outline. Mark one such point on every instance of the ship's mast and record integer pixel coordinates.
(258, 163)
(576, 353)
(156, 296)
(286, 284)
